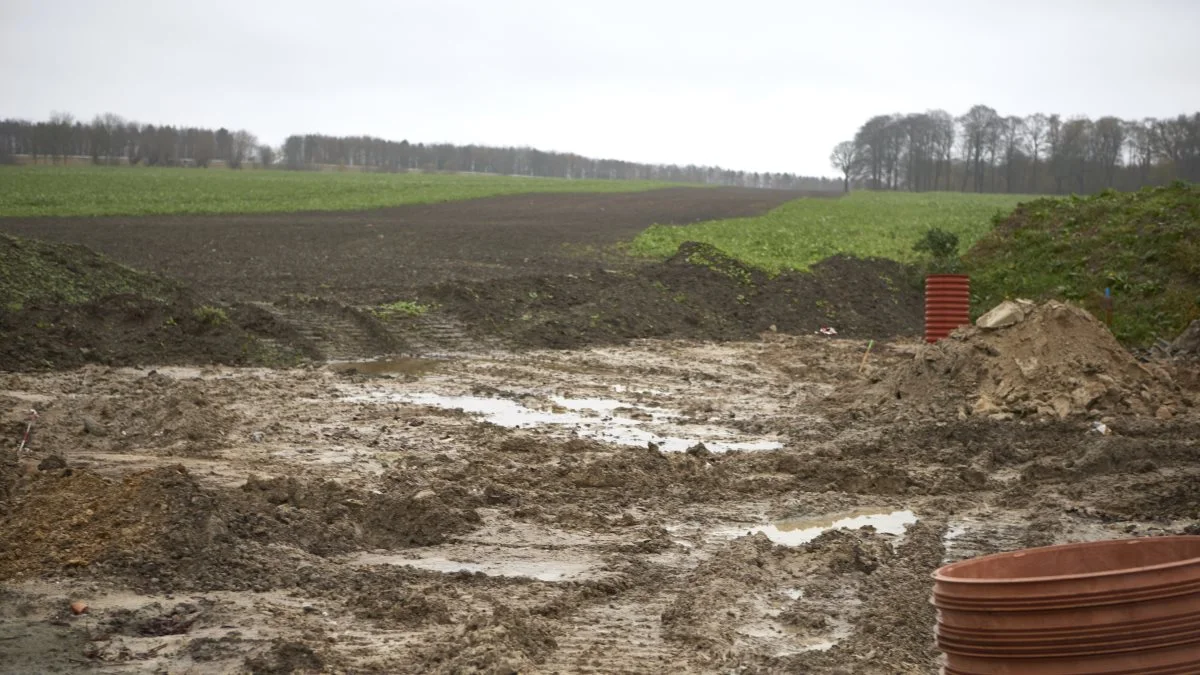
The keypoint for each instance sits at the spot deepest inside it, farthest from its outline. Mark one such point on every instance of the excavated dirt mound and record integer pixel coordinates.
(162, 529)
(699, 293)
(132, 330)
(1056, 360)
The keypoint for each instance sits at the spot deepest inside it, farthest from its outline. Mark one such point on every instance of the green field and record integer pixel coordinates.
(805, 231)
(111, 191)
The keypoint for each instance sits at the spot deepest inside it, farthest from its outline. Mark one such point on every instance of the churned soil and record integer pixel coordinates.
(329, 520)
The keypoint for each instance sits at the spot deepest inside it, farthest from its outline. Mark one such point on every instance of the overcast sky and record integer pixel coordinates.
(760, 86)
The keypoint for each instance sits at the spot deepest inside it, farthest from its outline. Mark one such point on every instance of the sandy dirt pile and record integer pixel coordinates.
(1048, 360)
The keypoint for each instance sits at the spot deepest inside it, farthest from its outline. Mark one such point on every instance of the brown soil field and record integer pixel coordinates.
(519, 271)
(367, 257)
(591, 465)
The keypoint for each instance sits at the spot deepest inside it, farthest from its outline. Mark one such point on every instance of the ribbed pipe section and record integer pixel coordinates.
(947, 304)
(1099, 608)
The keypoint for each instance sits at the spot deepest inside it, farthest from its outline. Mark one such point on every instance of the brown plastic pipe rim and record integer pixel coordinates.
(941, 573)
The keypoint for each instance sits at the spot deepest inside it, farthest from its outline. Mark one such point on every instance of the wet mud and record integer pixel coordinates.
(665, 506)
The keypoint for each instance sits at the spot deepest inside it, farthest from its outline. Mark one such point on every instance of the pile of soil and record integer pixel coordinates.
(1055, 360)
(164, 531)
(64, 305)
(699, 293)
(122, 330)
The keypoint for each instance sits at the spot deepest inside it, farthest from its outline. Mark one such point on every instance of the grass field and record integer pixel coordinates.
(805, 231)
(110, 191)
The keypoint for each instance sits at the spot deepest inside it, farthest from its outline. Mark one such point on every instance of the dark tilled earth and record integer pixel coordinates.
(519, 271)
(367, 257)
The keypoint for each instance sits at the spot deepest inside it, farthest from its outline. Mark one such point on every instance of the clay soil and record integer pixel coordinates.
(559, 485)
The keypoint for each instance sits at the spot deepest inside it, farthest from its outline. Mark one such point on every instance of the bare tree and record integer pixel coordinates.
(1012, 136)
(1139, 136)
(1054, 146)
(1036, 127)
(979, 128)
(943, 139)
(59, 129)
(1107, 139)
(845, 159)
(242, 146)
(266, 155)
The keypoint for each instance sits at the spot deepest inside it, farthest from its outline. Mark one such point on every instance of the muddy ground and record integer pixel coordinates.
(593, 464)
(656, 507)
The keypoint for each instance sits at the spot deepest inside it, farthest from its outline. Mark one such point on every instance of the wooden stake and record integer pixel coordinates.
(863, 365)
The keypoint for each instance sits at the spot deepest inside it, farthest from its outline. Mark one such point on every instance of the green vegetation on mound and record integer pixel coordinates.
(110, 191)
(33, 271)
(1144, 245)
(65, 305)
(862, 224)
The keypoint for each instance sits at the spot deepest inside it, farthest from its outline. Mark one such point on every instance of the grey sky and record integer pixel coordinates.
(760, 86)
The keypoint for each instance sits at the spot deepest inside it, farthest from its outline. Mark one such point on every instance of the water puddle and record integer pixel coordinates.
(549, 570)
(797, 531)
(601, 419)
(399, 366)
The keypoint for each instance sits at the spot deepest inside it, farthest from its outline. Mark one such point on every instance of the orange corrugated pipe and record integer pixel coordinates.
(947, 304)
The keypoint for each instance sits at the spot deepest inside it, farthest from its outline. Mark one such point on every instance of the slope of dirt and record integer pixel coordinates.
(1143, 245)
(134, 329)
(65, 305)
(37, 272)
(699, 293)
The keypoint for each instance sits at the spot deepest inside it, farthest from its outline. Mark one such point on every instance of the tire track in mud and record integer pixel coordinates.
(622, 636)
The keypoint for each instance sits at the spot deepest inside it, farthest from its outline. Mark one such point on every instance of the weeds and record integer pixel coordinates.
(400, 308)
(210, 316)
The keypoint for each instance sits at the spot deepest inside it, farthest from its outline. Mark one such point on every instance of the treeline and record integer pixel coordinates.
(984, 151)
(111, 139)
(311, 150)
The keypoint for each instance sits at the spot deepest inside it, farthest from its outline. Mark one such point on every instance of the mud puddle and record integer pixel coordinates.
(601, 419)
(406, 367)
(799, 531)
(500, 566)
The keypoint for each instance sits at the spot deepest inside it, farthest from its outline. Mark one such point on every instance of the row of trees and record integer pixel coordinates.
(111, 139)
(314, 150)
(984, 151)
